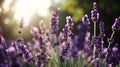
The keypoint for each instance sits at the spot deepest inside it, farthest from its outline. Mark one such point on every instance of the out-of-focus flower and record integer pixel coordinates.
(2, 40)
(42, 43)
(42, 27)
(40, 60)
(54, 22)
(27, 55)
(20, 31)
(116, 25)
(34, 31)
(79, 40)
(21, 23)
(102, 30)
(66, 39)
(3, 56)
(85, 19)
(13, 55)
(94, 13)
(113, 56)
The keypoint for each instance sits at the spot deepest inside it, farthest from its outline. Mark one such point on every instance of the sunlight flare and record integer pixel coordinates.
(27, 8)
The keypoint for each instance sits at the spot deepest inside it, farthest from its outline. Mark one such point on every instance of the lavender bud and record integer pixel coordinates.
(114, 49)
(54, 22)
(94, 13)
(85, 19)
(110, 40)
(34, 31)
(20, 31)
(116, 25)
(42, 26)
(2, 40)
(11, 50)
(69, 22)
(20, 41)
(65, 33)
(48, 36)
(102, 30)
(94, 5)
(20, 24)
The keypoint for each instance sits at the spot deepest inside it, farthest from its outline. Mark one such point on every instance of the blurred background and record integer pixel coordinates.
(32, 11)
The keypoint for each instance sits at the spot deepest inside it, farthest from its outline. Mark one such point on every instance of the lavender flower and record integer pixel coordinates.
(35, 32)
(20, 24)
(40, 60)
(65, 33)
(113, 56)
(85, 19)
(69, 22)
(48, 37)
(2, 40)
(27, 55)
(98, 42)
(14, 61)
(54, 22)
(66, 38)
(116, 25)
(102, 30)
(3, 56)
(42, 43)
(42, 27)
(20, 31)
(68, 27)
(79, 40)
(94, 13)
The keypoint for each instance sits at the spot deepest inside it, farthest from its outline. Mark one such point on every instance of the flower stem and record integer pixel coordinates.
(111, 38)
(94, 29)
(94, 49)
(110, 43)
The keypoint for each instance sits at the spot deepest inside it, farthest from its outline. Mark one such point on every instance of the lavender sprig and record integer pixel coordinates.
(54, 22)
(85, 19)
(42, 27)
(116, 25)
(66, 38)
(26, 54)
(40, 60)
(12, 51)
(94, 13)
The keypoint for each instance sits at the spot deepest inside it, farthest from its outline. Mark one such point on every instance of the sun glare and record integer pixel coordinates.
(26, 8)
(6, 4)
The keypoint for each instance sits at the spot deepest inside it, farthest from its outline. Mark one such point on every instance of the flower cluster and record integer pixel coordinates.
(54, 22)
(66, 45)
(49, 48)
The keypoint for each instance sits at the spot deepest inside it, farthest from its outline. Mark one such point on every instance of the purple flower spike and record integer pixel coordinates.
(42, 26)
(102, 30)
(94, 13)
(40, 60)
(116, 25)
(34, 31)
(21, 24)
(85, 19)
(69, 22)
(54, 22)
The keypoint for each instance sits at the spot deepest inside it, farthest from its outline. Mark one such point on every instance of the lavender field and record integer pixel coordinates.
(50, 47)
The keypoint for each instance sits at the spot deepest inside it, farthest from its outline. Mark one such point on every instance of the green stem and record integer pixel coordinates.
(111, 38)
(94, 36)
(94, 29)
(110, 42)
